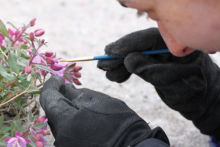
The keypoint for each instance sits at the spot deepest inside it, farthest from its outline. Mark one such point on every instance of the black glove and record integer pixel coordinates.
(85, 118)
(149, 39)
(190, 84)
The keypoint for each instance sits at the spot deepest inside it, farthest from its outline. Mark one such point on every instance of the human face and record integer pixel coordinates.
(185, 25)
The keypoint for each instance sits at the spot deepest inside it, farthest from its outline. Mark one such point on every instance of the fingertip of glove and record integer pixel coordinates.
(119, 75)
(54, 82)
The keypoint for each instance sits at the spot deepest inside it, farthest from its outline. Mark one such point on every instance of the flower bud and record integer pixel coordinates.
(77, 68)
(56, 67)
(49, 60)
(39, 143)
(28, 69)
(17, 32)
(37, 136)
(48, 54)
(29, 50)
(77, 74)
(42, 41)
(41, 119)
(77, 82)
(11, 32)
(2, 37)
(39, 32)
(32, 22)
(31, 36)
(43, 73)
(45, 132)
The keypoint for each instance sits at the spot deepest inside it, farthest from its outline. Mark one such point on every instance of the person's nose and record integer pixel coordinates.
(175, 47)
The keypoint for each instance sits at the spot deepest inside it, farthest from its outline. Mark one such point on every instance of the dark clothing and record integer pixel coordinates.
(86, 118)
(189, 85)
(152, 142)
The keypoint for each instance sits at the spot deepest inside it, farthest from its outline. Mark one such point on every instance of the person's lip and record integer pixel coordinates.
(210, 52)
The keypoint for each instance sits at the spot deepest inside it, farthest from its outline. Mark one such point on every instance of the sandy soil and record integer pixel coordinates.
(76, 28)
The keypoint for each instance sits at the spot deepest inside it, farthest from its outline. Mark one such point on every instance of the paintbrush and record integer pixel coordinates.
(107, 57)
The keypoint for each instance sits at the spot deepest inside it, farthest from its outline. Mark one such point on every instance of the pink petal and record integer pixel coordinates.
(27, 140)
(13, 139)
(17, 134)
(11, 32)
(7, 139)
(21, 140)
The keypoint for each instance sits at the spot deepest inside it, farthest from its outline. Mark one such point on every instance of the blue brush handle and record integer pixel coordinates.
(107, 57)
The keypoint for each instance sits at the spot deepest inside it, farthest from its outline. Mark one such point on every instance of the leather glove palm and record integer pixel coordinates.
(189, 84)
(85, 118)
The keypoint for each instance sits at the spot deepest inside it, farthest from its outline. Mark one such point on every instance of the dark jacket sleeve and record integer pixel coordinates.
(152, 142)
(197, 95)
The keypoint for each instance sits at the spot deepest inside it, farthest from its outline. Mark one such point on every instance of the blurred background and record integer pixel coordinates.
(76, 28)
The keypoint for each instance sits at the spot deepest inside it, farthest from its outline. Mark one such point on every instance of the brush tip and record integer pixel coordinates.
(63, 60)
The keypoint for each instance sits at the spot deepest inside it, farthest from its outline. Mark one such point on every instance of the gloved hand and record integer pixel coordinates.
(188, 84)
(85, 118)
(149, 39)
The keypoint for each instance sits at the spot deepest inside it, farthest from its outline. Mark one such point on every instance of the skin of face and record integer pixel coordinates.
(185, 25)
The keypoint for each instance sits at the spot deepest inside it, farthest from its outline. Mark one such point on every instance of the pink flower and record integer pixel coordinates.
(31, 36)
(28, 69)
(39, 32)
(17, 141)
(42, 119)
(49, 60)
(0, 42)
(39, 143)
(56, 67)
(13, 33)
(2, 38)
(32, 22)
(48, 54)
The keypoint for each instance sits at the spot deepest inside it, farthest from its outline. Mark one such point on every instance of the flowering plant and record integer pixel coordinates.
(24, 68)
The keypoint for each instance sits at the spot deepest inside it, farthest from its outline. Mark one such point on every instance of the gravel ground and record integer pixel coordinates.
(76, 28)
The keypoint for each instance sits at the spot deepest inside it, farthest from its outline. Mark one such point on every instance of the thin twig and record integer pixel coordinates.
(16, 96)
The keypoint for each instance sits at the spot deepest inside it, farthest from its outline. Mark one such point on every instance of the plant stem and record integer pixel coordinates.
(19, 36)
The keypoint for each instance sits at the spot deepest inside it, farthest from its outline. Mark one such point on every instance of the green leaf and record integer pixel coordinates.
(68, 78)
(34, 90)
(22, 61)
(24, 55)
(21, 108)
(3, 143)
(12, 129)
(24, 83)
(4, 30)
(8, 42)
(23, 46)
(6, 50)
(12, 60)
(17, 124)
(1, 121)
(23, 76)
(3, 48)
(5, 74)
(40, 125)
(44, 68)
(5, 130)
(32, 143)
